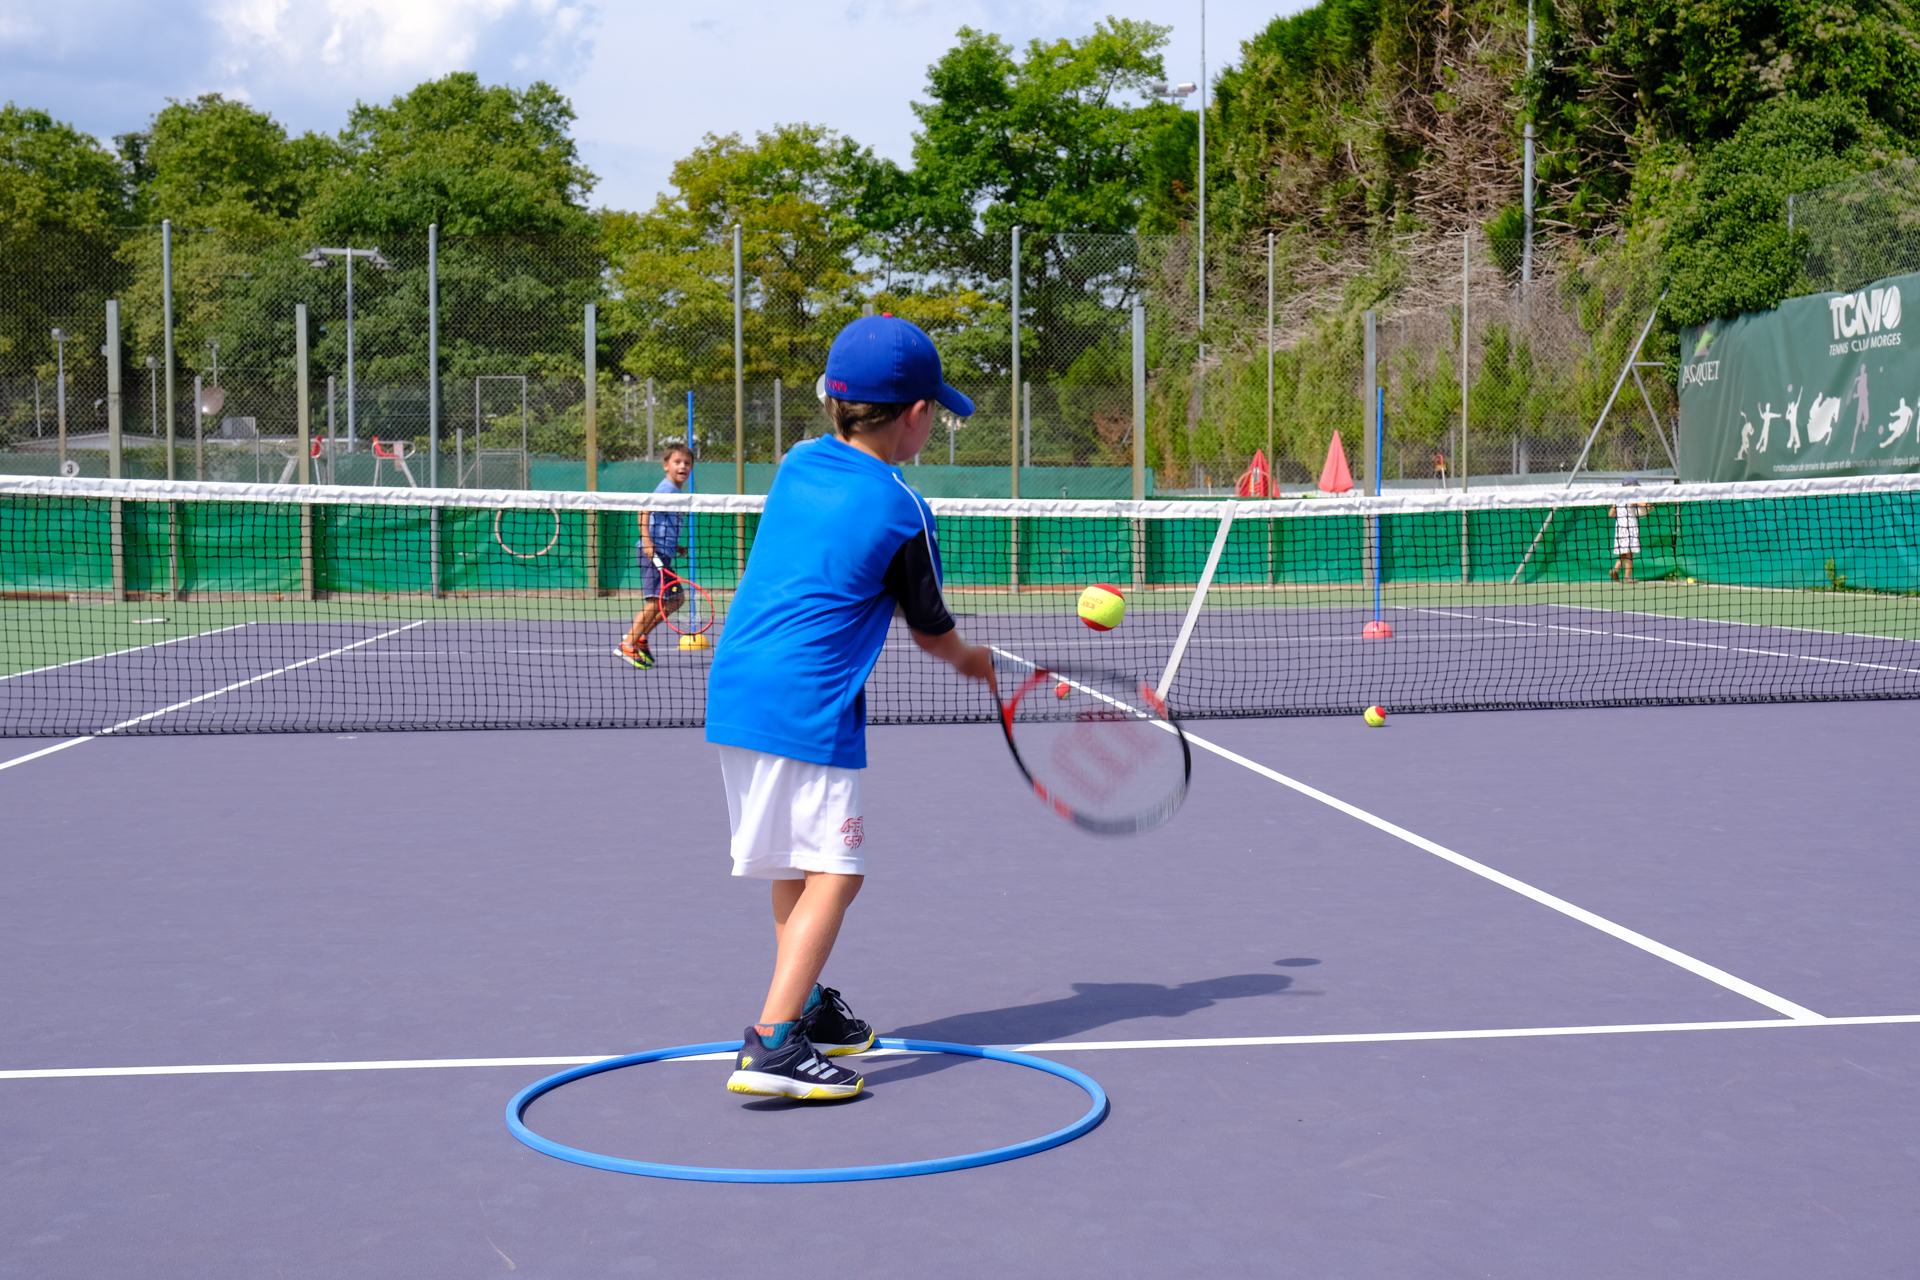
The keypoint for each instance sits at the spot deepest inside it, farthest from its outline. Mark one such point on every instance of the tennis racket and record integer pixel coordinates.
(700, 614)
(1099, 748)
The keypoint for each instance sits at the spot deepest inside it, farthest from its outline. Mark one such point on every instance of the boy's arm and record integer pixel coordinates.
(646, 534)
(972, 660)
(914, 586)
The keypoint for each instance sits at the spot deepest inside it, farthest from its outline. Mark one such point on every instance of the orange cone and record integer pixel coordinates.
(1334, 477)
(1258, 481)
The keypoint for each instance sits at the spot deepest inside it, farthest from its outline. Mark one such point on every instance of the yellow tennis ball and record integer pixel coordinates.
(1376, 716)
(1102, 606)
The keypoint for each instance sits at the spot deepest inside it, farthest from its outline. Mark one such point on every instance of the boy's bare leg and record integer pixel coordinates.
(648, 619)
(1627, 562)
(806, 921)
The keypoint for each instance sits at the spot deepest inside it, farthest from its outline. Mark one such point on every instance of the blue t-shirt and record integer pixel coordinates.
(664, 526)
(812, 613)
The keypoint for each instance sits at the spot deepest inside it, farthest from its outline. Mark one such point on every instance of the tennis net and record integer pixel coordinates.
(157, 607)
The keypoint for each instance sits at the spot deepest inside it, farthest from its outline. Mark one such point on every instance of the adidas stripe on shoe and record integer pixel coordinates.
(794, 1070)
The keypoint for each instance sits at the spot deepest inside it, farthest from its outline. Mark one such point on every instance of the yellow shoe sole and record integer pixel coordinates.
(815, 1093)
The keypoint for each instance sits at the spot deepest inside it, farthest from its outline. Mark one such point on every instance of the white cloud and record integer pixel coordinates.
(647, 77)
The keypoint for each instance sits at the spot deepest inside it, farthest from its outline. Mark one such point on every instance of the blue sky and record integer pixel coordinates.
(647, 79)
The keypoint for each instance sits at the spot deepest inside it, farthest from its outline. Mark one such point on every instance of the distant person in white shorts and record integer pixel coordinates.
(843, 545)
(1626, 535)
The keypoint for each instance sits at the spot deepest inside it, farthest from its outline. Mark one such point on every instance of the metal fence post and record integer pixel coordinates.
(1369, 417)
(433, 367)
(166, 325)
(116, 454)
(1139, 536)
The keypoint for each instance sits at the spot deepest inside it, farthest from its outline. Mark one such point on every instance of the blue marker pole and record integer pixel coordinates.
(693, 564)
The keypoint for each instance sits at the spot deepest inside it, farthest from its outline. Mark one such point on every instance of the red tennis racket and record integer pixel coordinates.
(700, 613)
(1099, 748)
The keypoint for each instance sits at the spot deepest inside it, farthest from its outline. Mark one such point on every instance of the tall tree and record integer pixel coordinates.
(61, 194)
(479, 160)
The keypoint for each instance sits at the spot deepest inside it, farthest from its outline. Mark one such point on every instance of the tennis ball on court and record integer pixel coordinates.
(1102, 606)
(1062, 689)
(1692, 581)
(1376, 716)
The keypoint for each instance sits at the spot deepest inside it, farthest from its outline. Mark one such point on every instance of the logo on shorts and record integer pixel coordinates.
(852, 829)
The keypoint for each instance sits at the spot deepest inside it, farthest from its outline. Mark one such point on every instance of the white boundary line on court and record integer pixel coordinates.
(1062, 1046)
(238, 684)
(1699, 967)
(117, 653)
(1684, 644)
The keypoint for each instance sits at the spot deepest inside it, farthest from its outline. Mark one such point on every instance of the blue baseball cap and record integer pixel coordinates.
(886, 360)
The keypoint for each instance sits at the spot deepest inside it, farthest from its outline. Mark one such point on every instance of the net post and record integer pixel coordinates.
(117, 545)
(302, 395)
(306, 551)
(173, 552)
(1199, 599)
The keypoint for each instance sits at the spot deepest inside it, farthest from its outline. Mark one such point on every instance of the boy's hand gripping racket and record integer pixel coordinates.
(673, 586)
(1099, 748)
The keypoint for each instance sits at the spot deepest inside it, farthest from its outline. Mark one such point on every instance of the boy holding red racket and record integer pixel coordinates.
(659, 543)
(842, 545)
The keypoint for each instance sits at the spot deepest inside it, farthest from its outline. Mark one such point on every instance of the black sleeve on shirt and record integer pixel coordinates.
(911, 582)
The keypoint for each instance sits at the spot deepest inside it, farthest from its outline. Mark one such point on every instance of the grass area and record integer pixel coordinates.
(41, 633)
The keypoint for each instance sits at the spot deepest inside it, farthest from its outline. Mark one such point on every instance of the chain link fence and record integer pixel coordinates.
(1054, 410)
(1862, 229)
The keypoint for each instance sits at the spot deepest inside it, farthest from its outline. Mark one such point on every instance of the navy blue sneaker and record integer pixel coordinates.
(795, 1070)
(832, 1028)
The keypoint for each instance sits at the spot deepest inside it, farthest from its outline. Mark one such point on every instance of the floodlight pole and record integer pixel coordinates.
(739, 373)
(318, 256)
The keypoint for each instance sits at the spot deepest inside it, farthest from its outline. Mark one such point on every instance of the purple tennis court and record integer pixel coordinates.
(1580, 993)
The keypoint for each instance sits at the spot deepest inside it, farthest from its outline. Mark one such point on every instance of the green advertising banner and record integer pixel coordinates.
(1819, 386)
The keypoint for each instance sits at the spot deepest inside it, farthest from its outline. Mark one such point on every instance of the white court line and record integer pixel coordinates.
(265, 675)
(1056, 1046)
(139, 648)
(238, 684)
(44, 751)
(1692, 644)
(1660, 949)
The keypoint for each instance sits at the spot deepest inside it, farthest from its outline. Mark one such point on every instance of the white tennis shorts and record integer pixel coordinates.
(792, 816)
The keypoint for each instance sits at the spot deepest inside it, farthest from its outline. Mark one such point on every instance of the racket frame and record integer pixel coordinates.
(1043, 676)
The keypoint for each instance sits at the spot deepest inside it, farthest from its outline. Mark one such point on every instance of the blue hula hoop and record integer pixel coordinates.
(847, 1173)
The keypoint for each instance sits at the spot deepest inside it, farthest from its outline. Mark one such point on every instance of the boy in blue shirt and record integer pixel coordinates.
(659, 544)
(842, 546)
